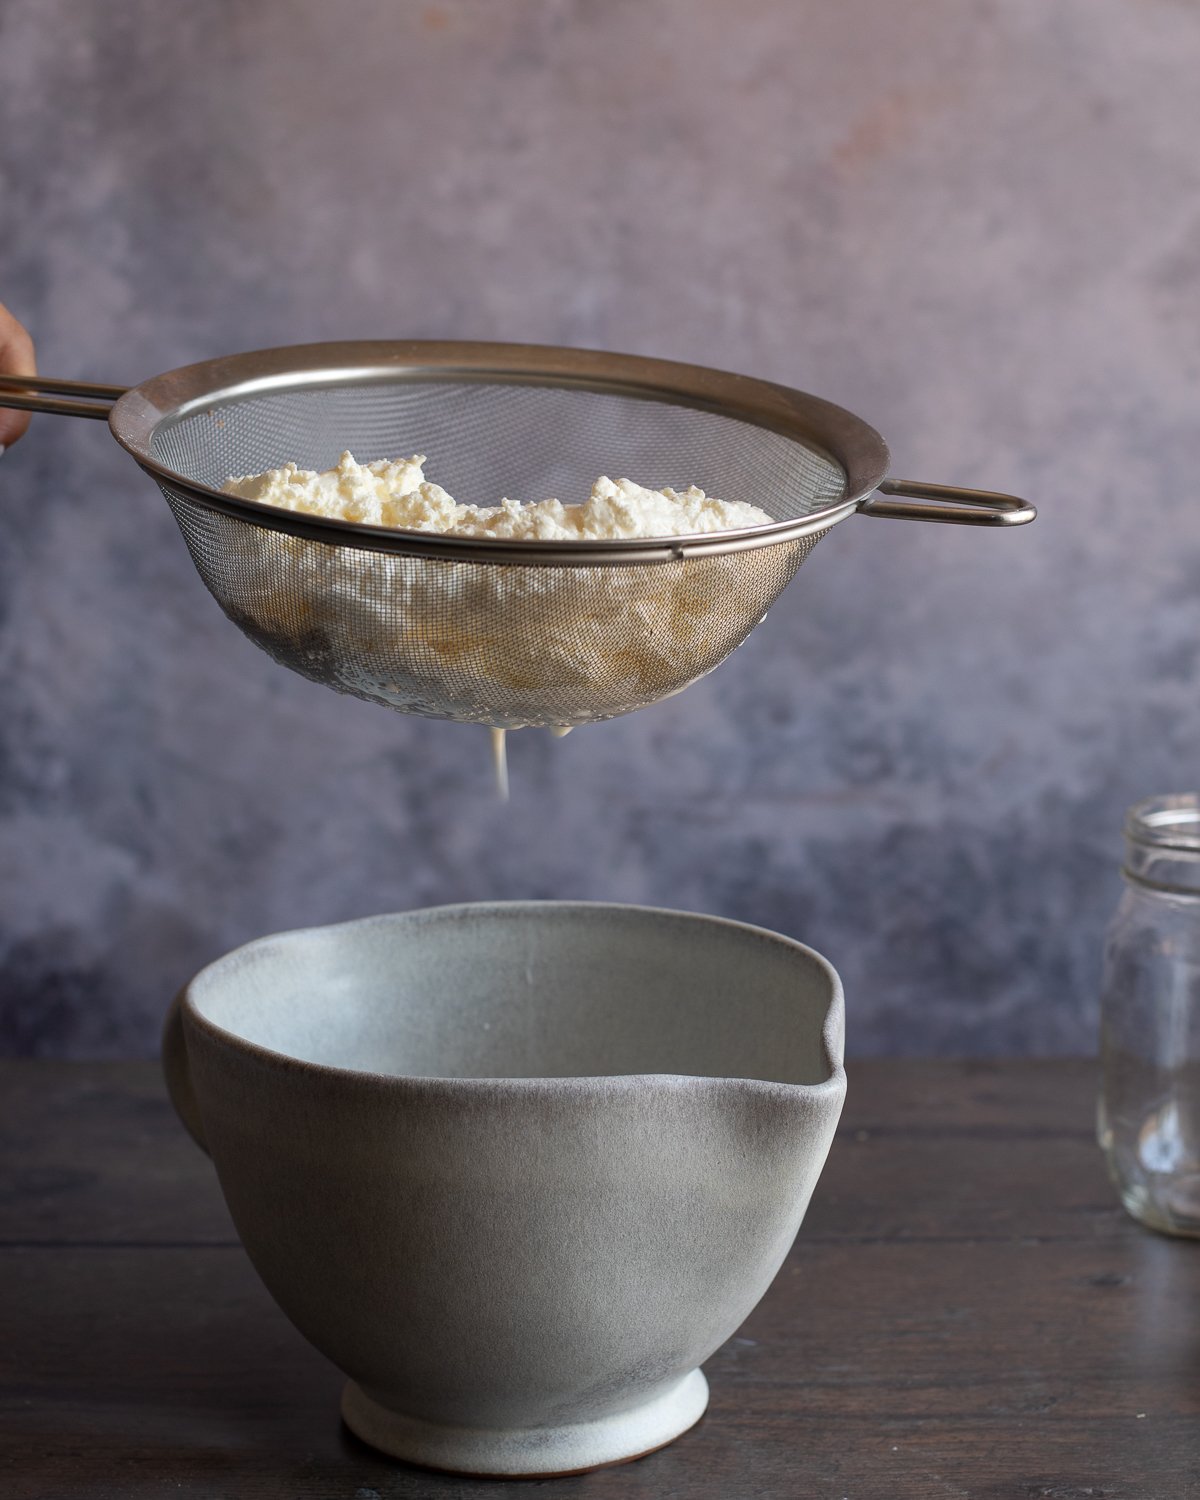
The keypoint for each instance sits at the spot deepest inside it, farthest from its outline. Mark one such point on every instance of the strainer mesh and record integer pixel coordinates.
(507, 644)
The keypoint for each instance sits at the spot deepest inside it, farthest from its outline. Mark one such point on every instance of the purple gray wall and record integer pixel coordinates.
(977, 224)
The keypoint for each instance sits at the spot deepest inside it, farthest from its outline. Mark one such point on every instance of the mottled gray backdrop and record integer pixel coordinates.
(975, 222)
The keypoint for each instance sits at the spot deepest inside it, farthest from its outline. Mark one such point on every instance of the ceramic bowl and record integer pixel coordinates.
(517, 1169)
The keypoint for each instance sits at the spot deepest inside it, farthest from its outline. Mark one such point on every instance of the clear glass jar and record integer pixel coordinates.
(1149, 1114)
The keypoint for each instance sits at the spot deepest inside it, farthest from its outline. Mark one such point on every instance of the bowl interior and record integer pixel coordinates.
(528, 990)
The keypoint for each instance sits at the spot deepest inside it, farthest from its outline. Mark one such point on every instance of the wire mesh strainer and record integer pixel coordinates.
(490, 630)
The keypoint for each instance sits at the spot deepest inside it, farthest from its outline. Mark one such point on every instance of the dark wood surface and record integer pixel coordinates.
(967, 1313)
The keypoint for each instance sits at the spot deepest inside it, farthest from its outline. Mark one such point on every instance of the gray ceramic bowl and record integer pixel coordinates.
(517, 1169)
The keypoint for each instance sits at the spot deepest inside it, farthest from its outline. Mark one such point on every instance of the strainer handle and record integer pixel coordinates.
(17, 392)
(957, 506)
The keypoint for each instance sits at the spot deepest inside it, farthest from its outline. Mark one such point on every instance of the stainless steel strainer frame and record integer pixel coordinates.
(134, 414)
(488, 629)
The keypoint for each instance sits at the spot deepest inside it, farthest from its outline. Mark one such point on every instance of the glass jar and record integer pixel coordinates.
(1149, 1114)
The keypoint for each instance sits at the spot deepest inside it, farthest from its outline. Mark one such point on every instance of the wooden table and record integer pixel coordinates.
(967, 1312)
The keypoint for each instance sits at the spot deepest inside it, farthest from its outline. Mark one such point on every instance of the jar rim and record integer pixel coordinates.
(1171, 821)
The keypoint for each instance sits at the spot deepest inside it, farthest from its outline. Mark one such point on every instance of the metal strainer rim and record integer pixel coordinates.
(810, 420)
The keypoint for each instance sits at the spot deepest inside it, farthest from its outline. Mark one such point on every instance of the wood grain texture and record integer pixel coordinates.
(990, 1325)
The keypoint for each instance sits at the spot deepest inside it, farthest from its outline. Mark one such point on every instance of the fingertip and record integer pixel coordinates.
(13, 425)
(22, 357)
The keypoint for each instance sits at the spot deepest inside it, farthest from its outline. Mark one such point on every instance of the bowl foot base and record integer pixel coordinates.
(507, 1453)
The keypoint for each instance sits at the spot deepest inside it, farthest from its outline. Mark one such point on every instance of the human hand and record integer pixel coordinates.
(16, 358)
